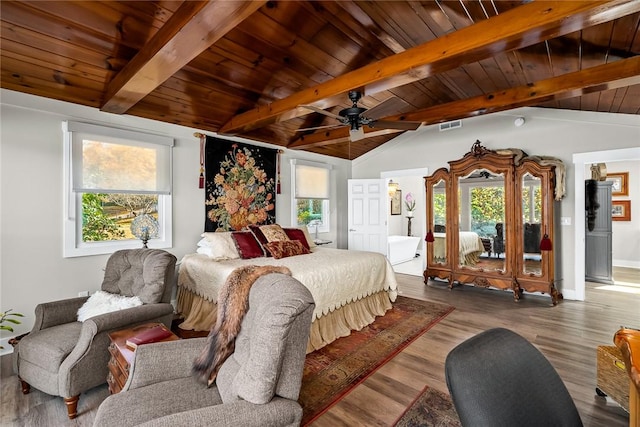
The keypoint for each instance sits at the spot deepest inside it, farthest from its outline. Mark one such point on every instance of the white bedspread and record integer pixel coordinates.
(335, 277)
(470, 242)
(470, 247)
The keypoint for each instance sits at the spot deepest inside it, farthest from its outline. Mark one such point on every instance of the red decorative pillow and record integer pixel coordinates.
(297, 234)
(286, 248)
(255, 229)
(247, 245)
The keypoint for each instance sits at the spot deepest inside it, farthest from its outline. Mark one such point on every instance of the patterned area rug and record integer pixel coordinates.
(332, 371)
(432, 408)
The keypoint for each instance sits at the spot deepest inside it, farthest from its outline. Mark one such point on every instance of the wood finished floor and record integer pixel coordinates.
(567, 334)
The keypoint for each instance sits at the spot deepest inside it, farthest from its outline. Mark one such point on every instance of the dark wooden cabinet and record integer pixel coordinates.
(502, 196)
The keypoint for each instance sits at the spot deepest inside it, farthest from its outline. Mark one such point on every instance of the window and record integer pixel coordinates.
(487, 208)
(311, 184)
(112, 176)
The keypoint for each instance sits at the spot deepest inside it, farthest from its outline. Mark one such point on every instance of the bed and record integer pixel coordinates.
(470, 243)
(350, 289)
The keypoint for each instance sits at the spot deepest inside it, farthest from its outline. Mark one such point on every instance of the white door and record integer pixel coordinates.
(368, 215)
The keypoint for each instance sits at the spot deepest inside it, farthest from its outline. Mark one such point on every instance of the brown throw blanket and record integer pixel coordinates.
(233, 303)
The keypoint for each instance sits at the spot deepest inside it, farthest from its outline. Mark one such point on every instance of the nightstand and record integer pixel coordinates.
(122, 356)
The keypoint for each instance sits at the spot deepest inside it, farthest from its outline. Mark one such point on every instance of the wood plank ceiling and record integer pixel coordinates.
(247, 67)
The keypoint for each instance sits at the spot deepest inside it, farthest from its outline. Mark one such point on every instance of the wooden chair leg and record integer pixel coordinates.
(72, 406)
(26, 388)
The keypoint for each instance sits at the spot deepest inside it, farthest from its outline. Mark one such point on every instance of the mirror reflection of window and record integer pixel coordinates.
(531, 199)
(439, 205)
(531, 220)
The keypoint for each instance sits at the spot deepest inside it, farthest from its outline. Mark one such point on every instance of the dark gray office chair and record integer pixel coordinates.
(497, 378)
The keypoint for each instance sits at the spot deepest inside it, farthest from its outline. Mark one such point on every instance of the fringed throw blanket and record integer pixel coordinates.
(233, 303)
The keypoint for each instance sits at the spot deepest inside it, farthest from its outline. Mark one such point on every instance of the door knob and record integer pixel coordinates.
(352, 229)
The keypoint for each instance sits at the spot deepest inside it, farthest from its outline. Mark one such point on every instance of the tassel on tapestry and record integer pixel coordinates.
(278, 177)
(202, 143)
(240, 185)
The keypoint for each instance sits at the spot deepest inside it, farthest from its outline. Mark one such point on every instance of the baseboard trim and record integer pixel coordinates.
(570, 294)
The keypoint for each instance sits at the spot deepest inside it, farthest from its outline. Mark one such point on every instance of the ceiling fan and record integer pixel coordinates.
(357, 117)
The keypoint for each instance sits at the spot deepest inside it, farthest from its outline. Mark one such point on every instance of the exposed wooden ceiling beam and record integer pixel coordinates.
(523, 26)
(194, 27)
(617, 74)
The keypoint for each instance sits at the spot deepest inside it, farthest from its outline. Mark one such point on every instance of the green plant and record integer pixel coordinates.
(8, 317)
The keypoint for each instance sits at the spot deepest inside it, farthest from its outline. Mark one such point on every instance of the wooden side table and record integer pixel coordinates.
(122, 356)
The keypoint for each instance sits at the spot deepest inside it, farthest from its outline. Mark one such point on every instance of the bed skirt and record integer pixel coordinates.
(200, 315)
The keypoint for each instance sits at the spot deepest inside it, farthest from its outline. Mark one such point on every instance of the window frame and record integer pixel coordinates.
(73, 245)
(326, 213)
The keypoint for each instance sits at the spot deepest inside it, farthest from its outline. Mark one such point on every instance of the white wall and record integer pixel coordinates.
(626, 234)
(32, 269)
(558, 133)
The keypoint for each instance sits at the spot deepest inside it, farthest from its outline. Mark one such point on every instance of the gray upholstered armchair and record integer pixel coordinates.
(258, 385)
(64, 357)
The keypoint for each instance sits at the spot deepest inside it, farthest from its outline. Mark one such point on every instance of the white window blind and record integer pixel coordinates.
(119, 161)
(111, 175)
(312, 181)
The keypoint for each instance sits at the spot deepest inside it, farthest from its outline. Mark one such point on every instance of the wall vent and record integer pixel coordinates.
(450, 125)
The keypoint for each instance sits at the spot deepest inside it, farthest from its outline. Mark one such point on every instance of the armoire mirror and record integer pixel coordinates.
(487, 217)
(481, 216)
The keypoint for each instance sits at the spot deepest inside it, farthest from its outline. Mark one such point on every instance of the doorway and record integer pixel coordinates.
(401, 224)
(581, 161)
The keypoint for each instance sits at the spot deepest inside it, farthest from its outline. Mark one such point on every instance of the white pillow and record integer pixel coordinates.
(310, 241)
(218, 246)
(104, 302)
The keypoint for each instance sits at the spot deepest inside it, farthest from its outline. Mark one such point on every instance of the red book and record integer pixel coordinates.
(155, 334)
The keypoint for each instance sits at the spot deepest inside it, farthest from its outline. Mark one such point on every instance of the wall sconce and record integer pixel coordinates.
(392, 188)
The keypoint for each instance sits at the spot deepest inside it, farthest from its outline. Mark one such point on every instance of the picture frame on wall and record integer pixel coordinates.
(621, 210)
(396, 203)
(620, 183)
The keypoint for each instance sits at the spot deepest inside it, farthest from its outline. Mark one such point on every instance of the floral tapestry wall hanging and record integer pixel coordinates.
(240, 185)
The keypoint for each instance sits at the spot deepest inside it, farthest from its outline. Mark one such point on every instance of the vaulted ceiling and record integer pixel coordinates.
(263, 69)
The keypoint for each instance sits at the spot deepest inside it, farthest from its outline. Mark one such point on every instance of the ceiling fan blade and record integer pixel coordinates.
(356, 135)
(389, 107)
(321, 111)
(319, 127)
(384, 124)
